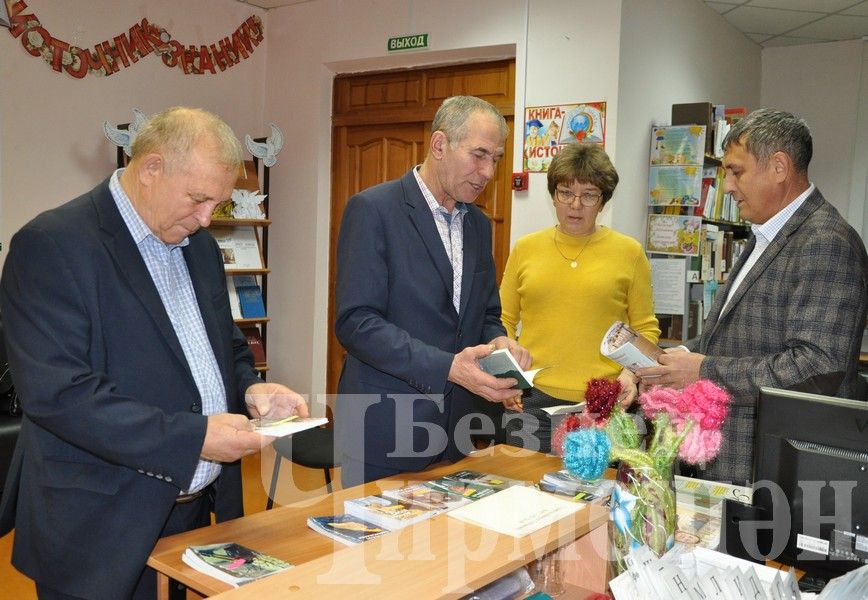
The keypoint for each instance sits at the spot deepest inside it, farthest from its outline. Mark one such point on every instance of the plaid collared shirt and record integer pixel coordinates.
(169, 272)
(450, 226)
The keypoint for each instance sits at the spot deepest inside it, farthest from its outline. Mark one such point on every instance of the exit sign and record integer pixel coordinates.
(408, 42)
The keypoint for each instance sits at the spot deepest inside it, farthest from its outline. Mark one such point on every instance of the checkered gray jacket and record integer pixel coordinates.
(795, 321)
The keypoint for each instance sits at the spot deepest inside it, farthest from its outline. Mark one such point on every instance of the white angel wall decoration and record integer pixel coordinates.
(246, 204)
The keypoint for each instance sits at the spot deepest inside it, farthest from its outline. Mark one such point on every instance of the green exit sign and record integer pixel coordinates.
(408, 42)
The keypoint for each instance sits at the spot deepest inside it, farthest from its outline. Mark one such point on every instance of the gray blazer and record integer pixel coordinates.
(795, 321)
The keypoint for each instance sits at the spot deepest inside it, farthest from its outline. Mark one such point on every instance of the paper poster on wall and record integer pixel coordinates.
(667, 277)
(549, 128)
(674, 234)
(674, 185)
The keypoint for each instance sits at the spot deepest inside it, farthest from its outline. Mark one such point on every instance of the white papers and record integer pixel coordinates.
(565, 409)
(288, 426)
(501, 363)
(700, 574)
(668, 282)
(516, 511)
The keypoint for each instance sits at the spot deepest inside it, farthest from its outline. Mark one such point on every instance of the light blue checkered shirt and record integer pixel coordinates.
(169, 273)
(450, 226)
(765, 234)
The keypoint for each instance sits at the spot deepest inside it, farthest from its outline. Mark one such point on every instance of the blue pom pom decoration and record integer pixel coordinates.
(586, 453)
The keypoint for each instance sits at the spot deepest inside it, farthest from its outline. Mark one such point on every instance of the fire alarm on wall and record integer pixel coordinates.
(519, 182)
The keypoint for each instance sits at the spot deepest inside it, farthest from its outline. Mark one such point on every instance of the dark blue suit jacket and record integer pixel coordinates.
(113, 425)
(396, 319)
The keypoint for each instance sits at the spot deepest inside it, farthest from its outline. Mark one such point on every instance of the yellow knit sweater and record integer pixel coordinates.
(564, 312)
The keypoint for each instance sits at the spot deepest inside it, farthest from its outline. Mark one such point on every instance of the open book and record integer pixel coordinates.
(625, 346)
(502, 364)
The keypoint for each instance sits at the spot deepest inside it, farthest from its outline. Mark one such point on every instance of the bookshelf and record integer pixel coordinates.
(694, 232)
(243, 242)
(247, 271)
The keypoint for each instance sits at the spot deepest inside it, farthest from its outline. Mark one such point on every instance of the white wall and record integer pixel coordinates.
(672, 51)
(566, 50)
(51, 137)
(826, 84)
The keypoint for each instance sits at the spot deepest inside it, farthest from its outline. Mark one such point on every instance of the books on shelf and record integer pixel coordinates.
(239, 247)
(428, 495)
(346, 528)
(502, 364)
(234, 302)
(254, 342)
(232, 563)
(623, 344)
(491, 480)
(387, 512)
(249, 296)
(516, 511)
(287, 426)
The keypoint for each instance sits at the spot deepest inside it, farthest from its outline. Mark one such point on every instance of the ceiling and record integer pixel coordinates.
(766, 22)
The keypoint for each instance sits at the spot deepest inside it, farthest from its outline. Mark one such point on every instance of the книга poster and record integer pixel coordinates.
(548, 128)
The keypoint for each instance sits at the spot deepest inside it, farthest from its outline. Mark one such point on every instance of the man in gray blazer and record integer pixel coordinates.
(417, 303)
(793, 311)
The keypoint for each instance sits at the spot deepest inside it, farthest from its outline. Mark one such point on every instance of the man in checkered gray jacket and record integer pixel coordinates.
(792, 312)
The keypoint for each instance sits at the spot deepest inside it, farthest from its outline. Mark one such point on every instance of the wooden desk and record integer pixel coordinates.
(438, 558)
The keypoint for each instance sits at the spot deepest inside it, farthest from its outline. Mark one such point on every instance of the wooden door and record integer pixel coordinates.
(381, 127)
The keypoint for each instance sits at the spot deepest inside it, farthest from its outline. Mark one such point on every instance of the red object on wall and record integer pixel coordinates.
(519, 182)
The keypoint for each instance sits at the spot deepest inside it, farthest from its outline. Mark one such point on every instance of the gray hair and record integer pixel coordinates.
(175, 132)
(766, 131)
(451, 118)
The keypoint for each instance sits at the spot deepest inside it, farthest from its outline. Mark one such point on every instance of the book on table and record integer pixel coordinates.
(233, 563)
(516, 511)
(346, 529)
(503, 365)
(462, 489)
(624, 345)
(491, 480)
(387, 512)
(564, 483)
(427, 495)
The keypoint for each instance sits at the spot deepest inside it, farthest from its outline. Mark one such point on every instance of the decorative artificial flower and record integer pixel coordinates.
(586, 452)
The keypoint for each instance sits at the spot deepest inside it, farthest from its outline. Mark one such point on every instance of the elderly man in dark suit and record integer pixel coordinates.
(134, 379)
(417, 303)
(793, 311)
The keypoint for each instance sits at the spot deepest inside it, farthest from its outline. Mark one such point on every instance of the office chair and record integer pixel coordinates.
(313, 448)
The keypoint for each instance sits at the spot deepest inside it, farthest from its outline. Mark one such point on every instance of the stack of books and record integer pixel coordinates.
(372, 516)
(565, 484)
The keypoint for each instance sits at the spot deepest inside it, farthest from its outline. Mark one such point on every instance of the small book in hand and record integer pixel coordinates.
(624, 345)
(233, 563)
(502, 364)
(287, 426)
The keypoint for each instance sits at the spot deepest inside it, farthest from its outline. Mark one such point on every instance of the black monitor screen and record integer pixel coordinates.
(811, 474)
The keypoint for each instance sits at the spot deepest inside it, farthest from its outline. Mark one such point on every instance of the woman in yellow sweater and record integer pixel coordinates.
(564, 286)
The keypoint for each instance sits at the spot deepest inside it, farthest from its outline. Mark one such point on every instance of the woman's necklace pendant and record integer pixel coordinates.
(574, 264)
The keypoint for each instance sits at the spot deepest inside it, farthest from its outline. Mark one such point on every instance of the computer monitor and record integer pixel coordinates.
(811, 476)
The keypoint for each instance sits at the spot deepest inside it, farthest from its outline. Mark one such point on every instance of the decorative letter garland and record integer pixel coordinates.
(126, 48)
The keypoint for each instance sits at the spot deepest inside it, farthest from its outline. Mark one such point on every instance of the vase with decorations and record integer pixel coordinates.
(685, 425)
